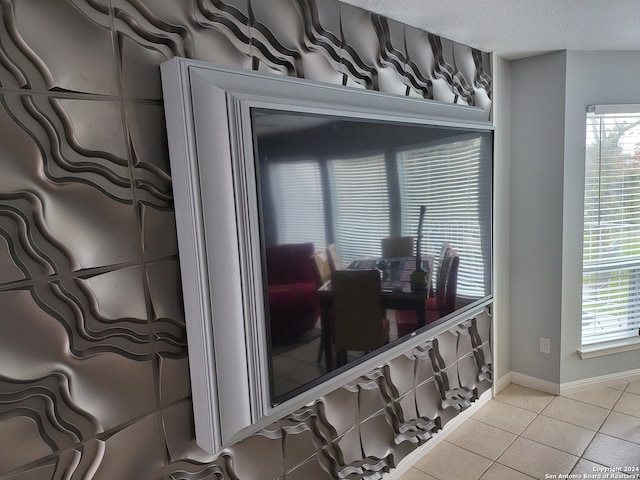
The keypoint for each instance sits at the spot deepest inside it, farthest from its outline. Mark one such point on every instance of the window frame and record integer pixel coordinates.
(610, 264)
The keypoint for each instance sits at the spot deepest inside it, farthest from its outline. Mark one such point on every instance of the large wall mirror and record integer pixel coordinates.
(300, 205)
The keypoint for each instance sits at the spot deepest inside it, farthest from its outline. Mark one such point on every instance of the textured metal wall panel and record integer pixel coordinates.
(80, 60)
(94, 379)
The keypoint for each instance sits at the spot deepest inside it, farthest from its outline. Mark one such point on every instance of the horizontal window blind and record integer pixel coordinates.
(360, 205)
(445, 178)
(296, 190)
(611, 246)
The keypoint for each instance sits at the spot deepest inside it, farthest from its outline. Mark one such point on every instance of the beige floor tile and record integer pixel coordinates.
(500, 472)
(601, 397)
(524, 397)
(620, 425)
(481, 438)
(415, 474)
(629, 403)
(577, 413)
(558, 434)
(504, 416)
(585, 467)
(537, 460)
(450, 462)
(634, 387)
(613, 452)
(622, 386)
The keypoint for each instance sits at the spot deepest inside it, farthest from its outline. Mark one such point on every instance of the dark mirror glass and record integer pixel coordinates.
(348, 271)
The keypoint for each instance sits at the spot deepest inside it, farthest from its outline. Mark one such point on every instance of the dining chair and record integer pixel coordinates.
(323, 275)
(446, 246)
(397, 247)
(443, 302)
(446, 292)
(334, 258)
(358, 320)
(322, 268)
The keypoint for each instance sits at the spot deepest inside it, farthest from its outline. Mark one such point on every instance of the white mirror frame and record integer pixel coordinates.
(211, 152)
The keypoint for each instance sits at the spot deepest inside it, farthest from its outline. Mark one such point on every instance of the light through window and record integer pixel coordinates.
(446, 178)
(611, 255)
(360, 201)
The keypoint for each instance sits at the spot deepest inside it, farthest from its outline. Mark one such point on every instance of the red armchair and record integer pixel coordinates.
(292, 291)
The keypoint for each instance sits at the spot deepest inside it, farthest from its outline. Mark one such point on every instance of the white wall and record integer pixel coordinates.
(549, 98)
(536, 173)
(501, 115)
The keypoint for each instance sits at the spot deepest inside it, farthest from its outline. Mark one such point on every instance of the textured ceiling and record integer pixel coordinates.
(518, 28)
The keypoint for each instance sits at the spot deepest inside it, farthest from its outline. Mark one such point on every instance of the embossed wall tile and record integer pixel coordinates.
(276, 36)
(78, 206)
(148, 140)
(166, 302)
(169, 335)
(392, 55)
(158, 232)
(341, 408)
(47, 420)
(483, 326)
(26, 445)
(93, 128)
(117, 295)
(299, 444)
(468, 372)
(86, 66)
(40, 472)
(152, 31)
(179, 432)
(259, 456)
(428, 400)
(83, 139)
(349, 447)
(421, 62)
(9, 270)
(360, 48)
(135, 451)
(322, 40)
(370, 398)
(109, 371)
(377, 437)
(174, 379)
(465, 344)
(401, 374)
(407, 406)
(224, 28)
(140, 67)
(445, 68)
(308, 470)
(469, 64)
(424, 363)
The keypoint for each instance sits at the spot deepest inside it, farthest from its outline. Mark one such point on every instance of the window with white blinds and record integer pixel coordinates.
(446, 178)
(296, 194)
(611, 255)
(360, 205)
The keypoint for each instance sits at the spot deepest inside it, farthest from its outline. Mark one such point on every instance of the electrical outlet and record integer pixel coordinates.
(545, 345)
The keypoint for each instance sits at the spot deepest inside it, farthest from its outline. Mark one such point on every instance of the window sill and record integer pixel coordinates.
(609, 348)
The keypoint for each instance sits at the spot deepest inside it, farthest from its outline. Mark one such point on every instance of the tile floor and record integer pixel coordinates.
(523, 434)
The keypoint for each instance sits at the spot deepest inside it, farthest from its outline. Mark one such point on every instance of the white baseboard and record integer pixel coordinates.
(610, 380)
(535, 383)
(501, 383)
(568, 388)
(410, 460)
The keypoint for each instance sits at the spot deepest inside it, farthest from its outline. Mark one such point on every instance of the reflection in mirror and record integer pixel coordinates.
(339, 188)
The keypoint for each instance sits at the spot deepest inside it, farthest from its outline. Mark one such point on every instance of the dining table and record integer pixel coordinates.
(397, 292)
